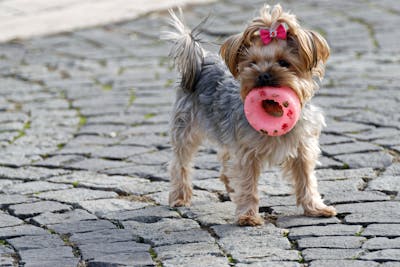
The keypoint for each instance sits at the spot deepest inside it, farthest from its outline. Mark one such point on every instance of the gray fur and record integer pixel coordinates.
(186, 52)
(209, 105)
(213, 102)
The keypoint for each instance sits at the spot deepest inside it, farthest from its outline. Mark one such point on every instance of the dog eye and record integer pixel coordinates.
(253, 62)
(283, 63)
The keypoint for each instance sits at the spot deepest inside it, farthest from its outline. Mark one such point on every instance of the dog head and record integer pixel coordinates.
(275, 51)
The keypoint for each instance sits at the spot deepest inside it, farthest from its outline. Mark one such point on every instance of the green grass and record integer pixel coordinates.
(149, 116)
(22, 132)
(154, 256)
(106, 87)
(231, 259)
(359, 233)
(168, 83)
(82, 120)
(61, 145)
(132, 97)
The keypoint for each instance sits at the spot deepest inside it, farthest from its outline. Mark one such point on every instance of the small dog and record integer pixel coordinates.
(272, 51)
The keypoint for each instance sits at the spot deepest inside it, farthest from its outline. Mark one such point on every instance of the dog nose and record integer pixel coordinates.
(264, 79)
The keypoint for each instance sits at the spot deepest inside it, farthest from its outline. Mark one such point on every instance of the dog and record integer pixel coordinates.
(273, 50)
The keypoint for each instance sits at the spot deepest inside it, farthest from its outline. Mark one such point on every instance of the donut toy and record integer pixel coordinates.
(272, 110)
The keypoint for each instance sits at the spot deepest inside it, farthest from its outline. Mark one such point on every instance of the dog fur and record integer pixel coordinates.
(209, 104)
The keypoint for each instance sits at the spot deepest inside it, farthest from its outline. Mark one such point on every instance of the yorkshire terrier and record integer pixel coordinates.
(273, 50)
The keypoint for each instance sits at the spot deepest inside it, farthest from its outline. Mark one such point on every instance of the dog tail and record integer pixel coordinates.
(187, 53)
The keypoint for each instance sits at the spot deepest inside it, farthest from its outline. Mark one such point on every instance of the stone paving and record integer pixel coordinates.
(84, 150)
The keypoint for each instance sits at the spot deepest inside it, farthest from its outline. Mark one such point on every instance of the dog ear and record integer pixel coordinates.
(230, 52)
(313, 50)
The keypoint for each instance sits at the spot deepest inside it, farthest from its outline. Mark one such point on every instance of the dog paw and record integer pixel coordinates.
(250, 220)
(321, 211)
(179, 200)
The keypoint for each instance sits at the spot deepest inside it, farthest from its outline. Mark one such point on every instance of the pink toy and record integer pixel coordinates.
(272, 110)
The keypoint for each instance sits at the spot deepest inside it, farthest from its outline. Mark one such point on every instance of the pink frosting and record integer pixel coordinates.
(269, 124)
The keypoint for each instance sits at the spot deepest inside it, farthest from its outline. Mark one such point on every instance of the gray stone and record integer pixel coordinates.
(7, 220)
(268, 201)
(382, 243)
(267, 243)
(361, 160)
(145, 171)
(33, 242)
(210, 213)
(59, 161)
(82, 226)
(376, 133)
(296, 220)
(198, 261)
(29, 173)
(100, 207)
(34, 187)
(6, 258)
(123, 259)
(390, 264)
(169, 231)
(48, 218)
(339, 127)
(326, 162)
(152, 158)
(354, 197)
(270, 264)
(35, 256)
(75, 195)
(102, 130)
(211, 185)
(385, 183)
(199, 197)
(120, 152)
(345, 242)
(187, 250)
(371, 212)
(35, 208)
(347, 263)
(5, 183)
(129, 185)
(96, 164)
(330, 174)
(103, 236)
(346, 148)
(389, 230)
(393, 170)
(94, 250)
(311, 254)
(328, 230)
(147, 215)
(383, 255)
(339, 186)
(329, 139)
(21, 230)
(37, 262)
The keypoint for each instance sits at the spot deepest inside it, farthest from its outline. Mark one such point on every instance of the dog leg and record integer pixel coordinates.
(186, 139)
(224, 157)
(244, 176)
(301, 170)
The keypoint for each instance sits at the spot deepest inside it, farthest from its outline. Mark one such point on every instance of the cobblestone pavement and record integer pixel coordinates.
(84, 149)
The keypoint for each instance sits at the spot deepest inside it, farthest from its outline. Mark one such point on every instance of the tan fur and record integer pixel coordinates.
(305, 53)
(305, 50)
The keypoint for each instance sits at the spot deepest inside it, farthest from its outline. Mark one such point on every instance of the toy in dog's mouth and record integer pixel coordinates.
(272, 110)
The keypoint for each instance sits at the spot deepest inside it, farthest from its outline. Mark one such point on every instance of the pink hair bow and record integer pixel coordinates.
(267, 35)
